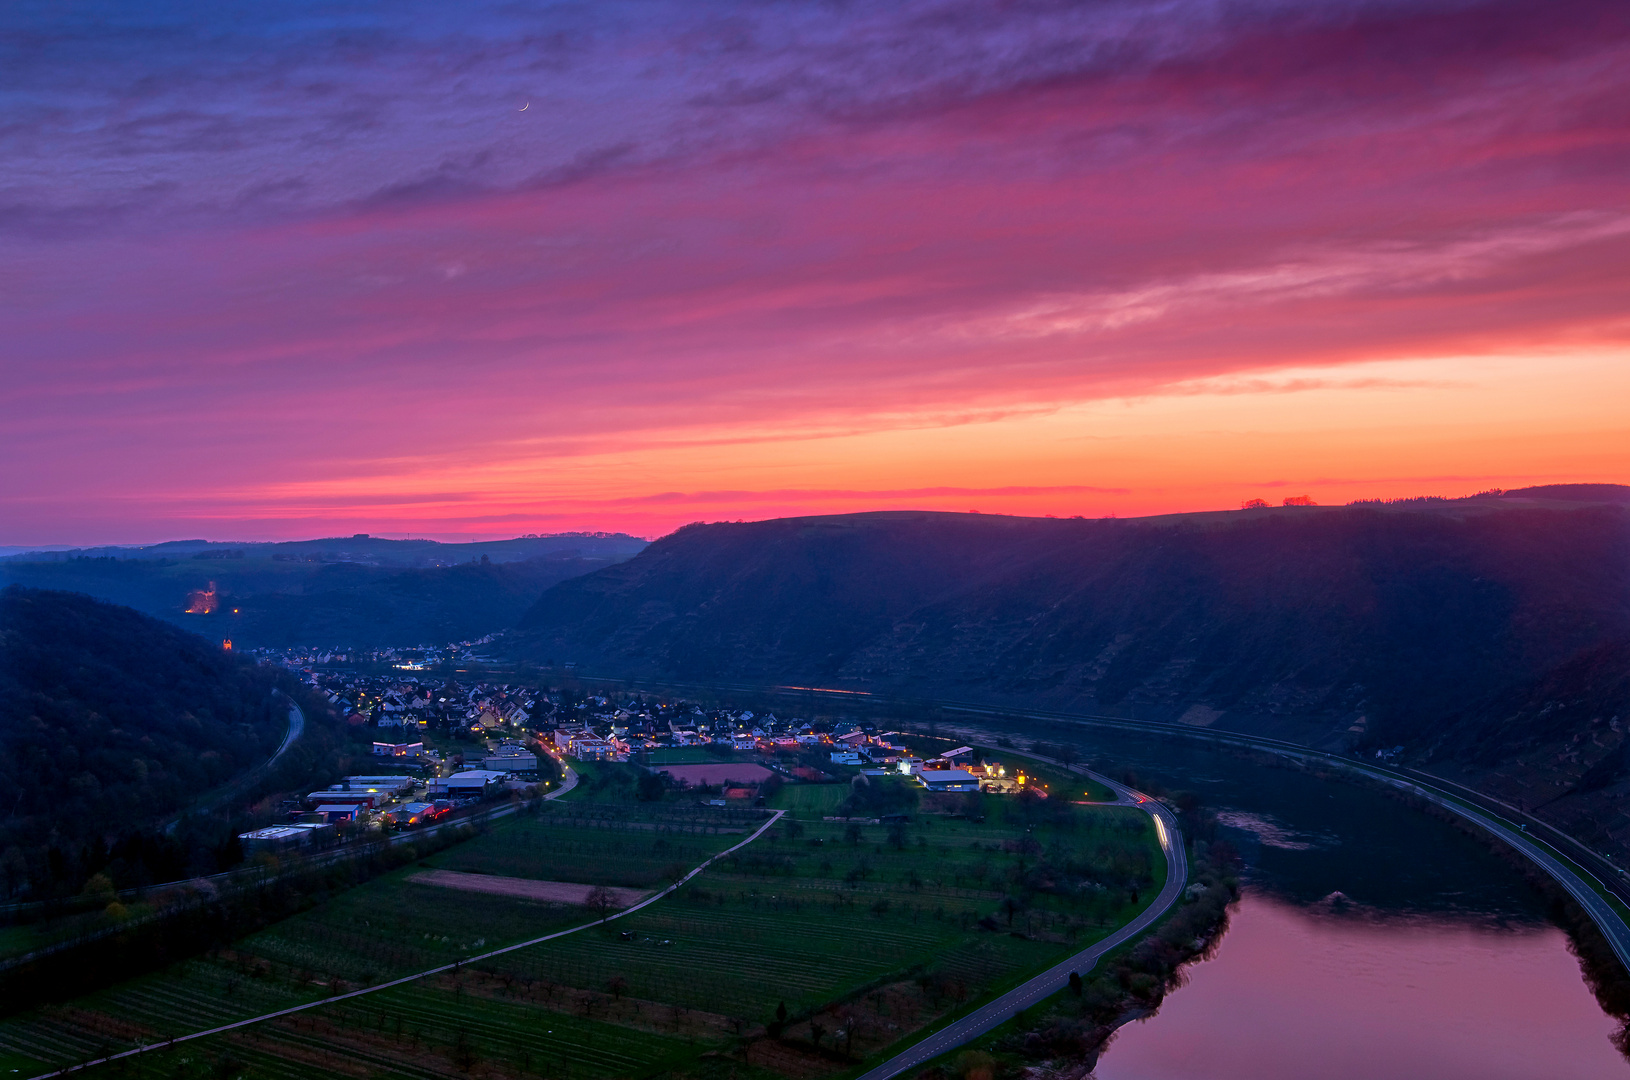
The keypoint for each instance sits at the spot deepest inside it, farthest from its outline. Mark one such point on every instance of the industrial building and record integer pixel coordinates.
(948, 780)
(509, 761)
(276, 838)
(469, 784)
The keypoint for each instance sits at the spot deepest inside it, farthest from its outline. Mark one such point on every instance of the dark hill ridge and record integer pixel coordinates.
(362, 548)
(329, 593)
(109, 721)
(1404, 621)
(1617, 494)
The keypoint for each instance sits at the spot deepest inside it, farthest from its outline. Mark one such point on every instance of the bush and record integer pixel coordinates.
(869, 797)
(974, 1065)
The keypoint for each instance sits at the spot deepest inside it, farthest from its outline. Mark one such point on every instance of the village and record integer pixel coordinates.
(442, 746)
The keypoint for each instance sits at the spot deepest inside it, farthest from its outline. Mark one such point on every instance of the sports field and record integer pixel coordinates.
(716, 773)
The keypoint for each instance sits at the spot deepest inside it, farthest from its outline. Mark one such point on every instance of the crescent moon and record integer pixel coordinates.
(525, 107)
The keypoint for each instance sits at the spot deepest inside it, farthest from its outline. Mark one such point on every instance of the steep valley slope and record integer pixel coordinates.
(110, 721)
(1487, 636)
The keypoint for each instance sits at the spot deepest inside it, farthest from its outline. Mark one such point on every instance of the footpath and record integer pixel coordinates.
(416, 976)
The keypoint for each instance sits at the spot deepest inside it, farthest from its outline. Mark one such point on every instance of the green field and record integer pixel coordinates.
(637, 846)
(603, 781)
(813, 915)
(867, 930)
(814, 800)
(388, 927)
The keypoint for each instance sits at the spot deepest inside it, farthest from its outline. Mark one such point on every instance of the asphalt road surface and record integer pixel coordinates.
(232, 790)
(1607, 920)
(1050, 982)
(297, 727)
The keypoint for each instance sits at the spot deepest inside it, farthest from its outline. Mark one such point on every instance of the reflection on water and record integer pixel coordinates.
(1372, 942)
(1267, 830)
(1304, 837)
(1299, 992)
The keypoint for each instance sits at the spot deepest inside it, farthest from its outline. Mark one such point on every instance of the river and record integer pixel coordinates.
(1371, 941)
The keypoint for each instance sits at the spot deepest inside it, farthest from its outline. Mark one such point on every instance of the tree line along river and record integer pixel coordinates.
(1371, 941)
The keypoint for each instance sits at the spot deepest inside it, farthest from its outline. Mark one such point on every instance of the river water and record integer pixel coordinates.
(1371, 942)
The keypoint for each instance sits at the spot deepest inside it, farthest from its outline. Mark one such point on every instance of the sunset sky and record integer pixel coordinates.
(479, 269)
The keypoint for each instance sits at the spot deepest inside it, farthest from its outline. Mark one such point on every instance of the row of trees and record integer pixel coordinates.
(189, 919)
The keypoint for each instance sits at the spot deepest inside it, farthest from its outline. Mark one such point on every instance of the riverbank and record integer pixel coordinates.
(1063, 1036)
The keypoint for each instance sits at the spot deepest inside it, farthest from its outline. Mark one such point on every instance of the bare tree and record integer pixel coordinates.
(601, 901)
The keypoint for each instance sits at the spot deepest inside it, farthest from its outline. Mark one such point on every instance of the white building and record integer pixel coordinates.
(949, 780)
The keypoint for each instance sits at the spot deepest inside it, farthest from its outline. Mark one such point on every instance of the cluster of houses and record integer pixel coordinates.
(404, 707)
(405, 658)
(406, 703)
(624, 735)
(405, 710)
(620, 732)
(591, 727)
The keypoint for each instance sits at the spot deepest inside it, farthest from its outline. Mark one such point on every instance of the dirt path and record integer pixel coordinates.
(775, 816)
(557, 892)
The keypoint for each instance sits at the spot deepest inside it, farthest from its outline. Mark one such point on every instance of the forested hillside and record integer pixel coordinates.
(260, 595)
(109, 721)
(1338, 626)
(348, 605)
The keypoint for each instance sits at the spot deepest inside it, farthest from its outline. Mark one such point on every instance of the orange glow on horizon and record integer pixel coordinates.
(1072, 260)
(1450, 426)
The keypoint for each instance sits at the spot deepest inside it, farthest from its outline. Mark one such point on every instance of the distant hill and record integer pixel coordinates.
(1368, 625)
(361, 549)
(109, 721)
(1578, 494)
(349, 592)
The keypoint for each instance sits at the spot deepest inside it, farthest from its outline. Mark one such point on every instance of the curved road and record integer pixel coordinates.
(981, 1020)
(1602, 913)
(568, 780)
(1613, 926)
(1050, 982)
(297, 727)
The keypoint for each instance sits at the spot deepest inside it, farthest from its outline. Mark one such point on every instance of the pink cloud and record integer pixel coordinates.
(1186, 216)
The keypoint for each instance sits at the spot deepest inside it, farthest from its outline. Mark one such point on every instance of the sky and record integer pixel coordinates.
(483, 269)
